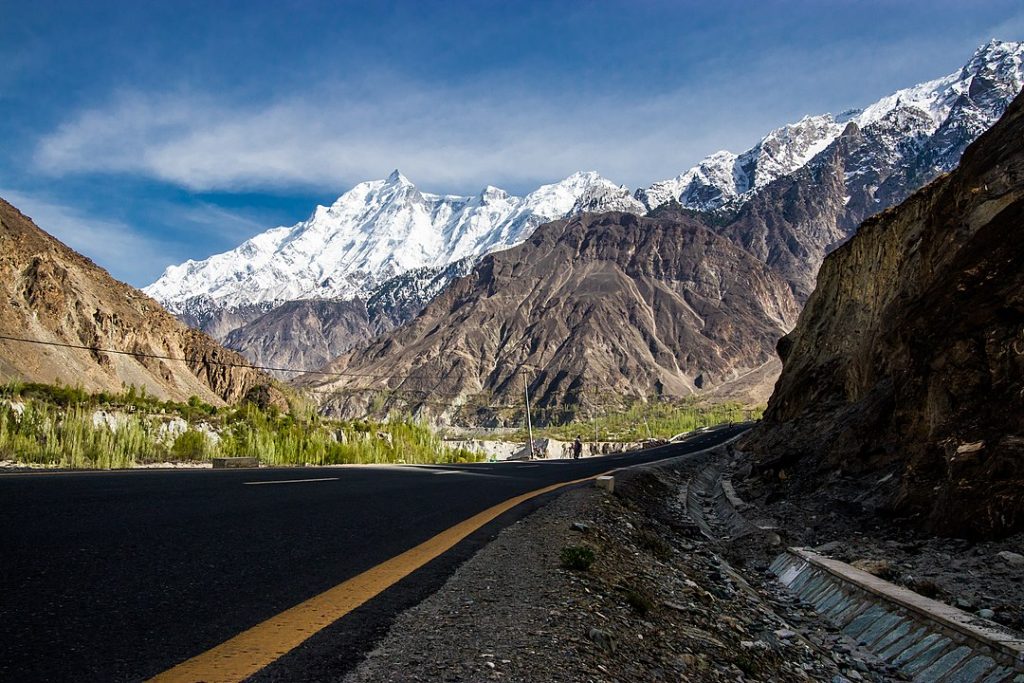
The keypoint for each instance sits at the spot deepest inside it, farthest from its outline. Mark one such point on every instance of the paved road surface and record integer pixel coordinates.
(116, 576)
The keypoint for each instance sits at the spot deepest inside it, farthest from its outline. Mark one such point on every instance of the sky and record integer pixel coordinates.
(143, 134)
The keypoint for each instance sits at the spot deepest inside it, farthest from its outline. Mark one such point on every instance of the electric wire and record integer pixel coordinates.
(416, 397)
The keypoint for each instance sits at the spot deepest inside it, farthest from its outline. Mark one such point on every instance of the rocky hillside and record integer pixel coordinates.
(597, 306)
(906, 367)
(51, 293)
(302, 334)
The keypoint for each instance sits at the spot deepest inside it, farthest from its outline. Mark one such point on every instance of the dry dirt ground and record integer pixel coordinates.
(659, 603)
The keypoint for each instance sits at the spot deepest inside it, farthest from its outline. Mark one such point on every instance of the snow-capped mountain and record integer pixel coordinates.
(794, 196)
(960, 105)
(723, 177)
(374, 232)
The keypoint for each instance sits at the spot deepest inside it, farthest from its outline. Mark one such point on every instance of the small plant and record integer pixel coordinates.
(577, 557)
(651, 541)
(640, 601)
(747, 664)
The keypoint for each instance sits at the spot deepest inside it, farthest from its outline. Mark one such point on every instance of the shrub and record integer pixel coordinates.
(651, 541)
(190, 445)
(577, 558)
(640, 601)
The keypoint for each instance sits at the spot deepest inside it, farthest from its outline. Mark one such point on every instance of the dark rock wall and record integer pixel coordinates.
(908, 356)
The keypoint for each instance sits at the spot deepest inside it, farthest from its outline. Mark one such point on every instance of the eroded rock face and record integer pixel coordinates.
(49, 292)
(609, 304)
(302, 334)
(909, 357)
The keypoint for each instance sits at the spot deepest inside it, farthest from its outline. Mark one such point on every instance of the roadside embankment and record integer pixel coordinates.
(622, 586)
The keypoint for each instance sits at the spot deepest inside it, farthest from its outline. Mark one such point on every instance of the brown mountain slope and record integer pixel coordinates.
(909, 357)
(49, 292)
(302, 334)
(792, 223)
(597, 306)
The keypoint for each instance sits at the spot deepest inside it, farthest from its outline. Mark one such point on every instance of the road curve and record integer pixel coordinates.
(119, 576)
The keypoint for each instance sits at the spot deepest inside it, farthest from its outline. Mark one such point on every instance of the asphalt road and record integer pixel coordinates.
(117, 576)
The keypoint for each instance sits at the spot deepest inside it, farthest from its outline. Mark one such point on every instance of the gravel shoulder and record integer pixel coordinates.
(659, 602)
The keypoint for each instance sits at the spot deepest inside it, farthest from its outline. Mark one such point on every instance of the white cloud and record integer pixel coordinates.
(449, 139)
(231, 226)
(456, 138)
(126, 254)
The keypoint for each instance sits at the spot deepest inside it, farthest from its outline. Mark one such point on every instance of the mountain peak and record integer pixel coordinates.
(373, 232)
(576, 179)
(984, 85)
(396, 178)
(492, 192)
(992, 52)
(998, 47)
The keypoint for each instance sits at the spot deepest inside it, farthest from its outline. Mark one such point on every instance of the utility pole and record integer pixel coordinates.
(529, 423)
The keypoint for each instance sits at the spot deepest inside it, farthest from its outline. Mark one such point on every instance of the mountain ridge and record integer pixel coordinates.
(375, 231)
(725, 178)
(640, 307)
(382, 229)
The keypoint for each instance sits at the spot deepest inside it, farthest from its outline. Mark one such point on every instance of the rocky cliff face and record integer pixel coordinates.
(907, 364)
(51, 293)
(597, 306)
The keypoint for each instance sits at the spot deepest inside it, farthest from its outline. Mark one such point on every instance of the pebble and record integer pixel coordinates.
(986, 613)
(828, 548)
(602, 639)
(1011, 558)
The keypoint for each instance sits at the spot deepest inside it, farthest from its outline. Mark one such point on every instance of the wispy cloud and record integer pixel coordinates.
(451, 137)
(232, 226)
(331, 140)
(458, 137)
(127, 254)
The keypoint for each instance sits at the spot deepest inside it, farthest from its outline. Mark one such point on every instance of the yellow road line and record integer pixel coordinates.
(248, 652)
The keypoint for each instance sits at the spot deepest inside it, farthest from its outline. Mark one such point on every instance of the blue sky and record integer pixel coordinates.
(146, 133)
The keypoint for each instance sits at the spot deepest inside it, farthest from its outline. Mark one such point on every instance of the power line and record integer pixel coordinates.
(197, 359)
(387, 393)
(419, 397)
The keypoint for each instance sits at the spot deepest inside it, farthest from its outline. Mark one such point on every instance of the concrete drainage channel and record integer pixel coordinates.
(925, 639)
